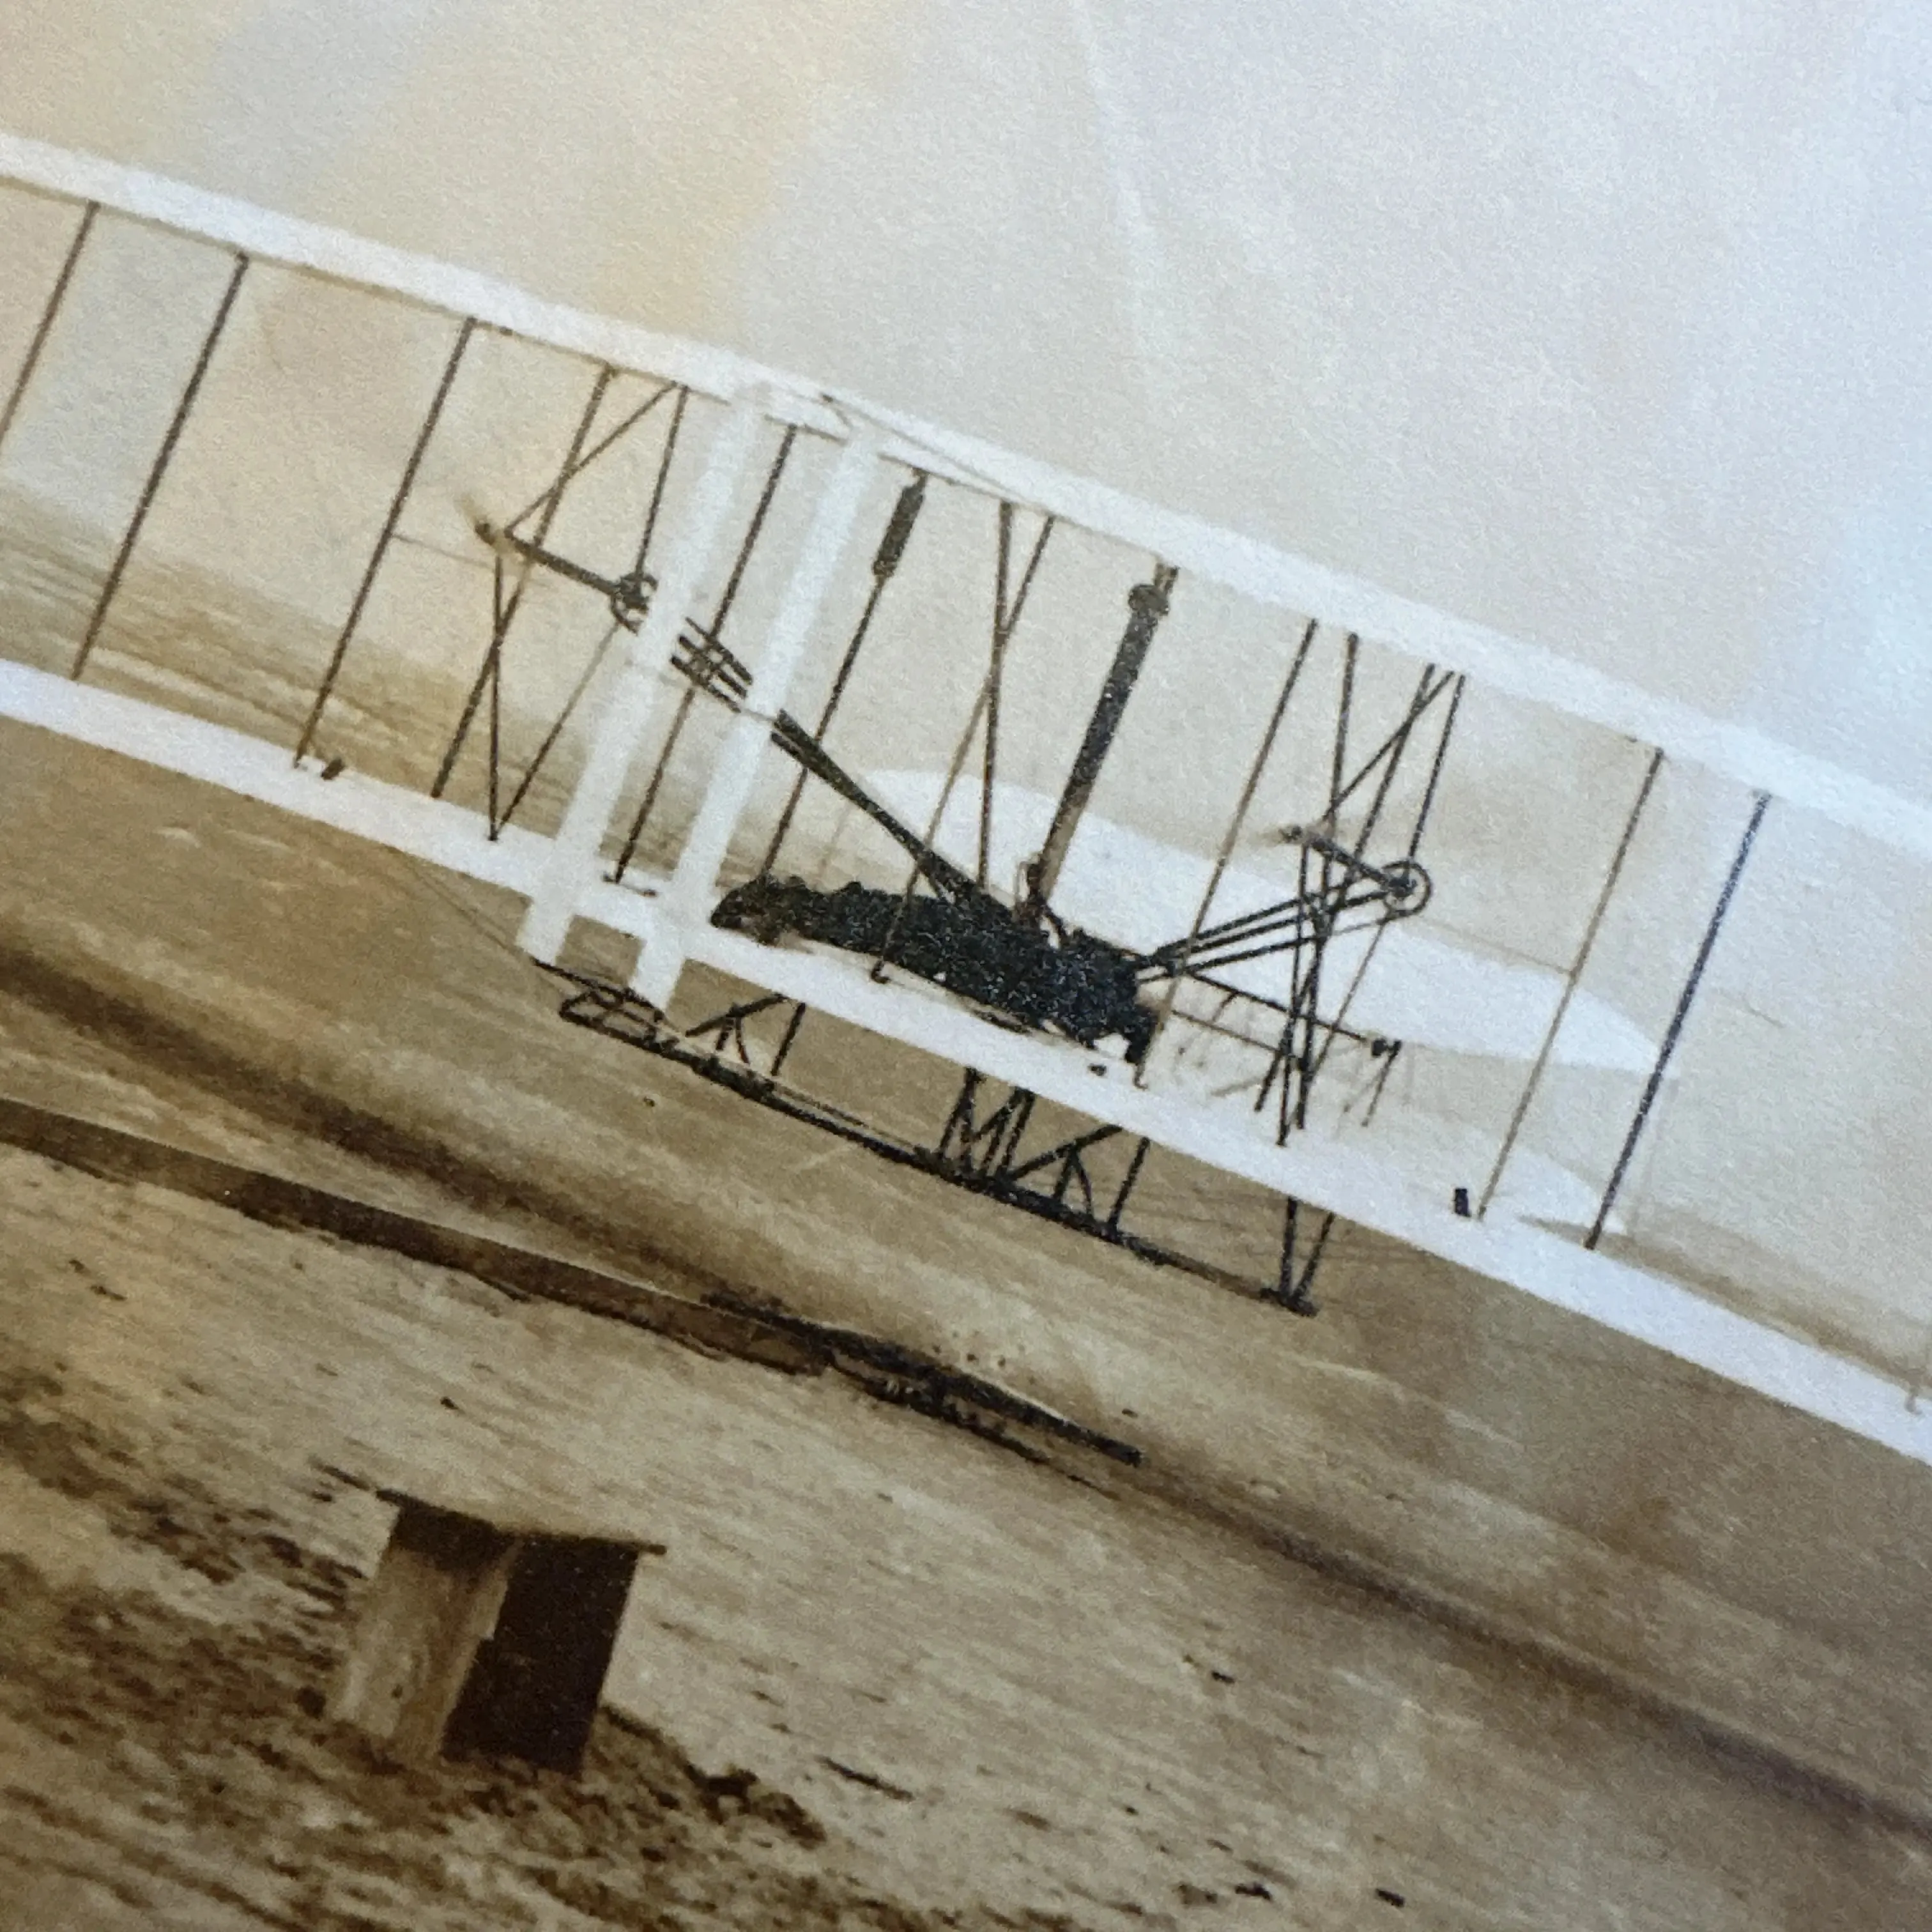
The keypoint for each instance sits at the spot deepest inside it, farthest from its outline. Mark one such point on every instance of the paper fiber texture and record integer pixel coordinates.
(613, 938)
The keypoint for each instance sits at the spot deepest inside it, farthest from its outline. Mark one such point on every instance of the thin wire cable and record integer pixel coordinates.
(1232, 837)
(1430, 791)
(714, 633)
(563, 718)
(663, 477)
(1426, 695)
(590, 456)
(958, 764)
(1397, 744)
(926, 842)
(504, 615)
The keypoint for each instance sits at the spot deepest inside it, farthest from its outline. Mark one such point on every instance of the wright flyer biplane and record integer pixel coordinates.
(1055, 845)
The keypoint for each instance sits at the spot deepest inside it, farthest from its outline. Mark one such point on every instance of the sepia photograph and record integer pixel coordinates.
(965, 966)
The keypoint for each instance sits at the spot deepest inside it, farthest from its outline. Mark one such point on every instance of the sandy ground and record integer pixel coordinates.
(1099, 1704)
(166, 1765)
(178, 964)
(1069, 1704)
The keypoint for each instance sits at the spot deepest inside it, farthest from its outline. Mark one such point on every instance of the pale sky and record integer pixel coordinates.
(1601, 323)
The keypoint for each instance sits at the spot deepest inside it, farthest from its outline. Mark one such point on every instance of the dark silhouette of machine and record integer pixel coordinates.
(1015, 958)
(1021, 962)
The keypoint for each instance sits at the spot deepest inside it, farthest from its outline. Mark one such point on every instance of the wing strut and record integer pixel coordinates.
(1146, 604)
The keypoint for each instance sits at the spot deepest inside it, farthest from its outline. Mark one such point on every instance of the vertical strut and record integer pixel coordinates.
(663, 478)
(1299, 1065)
(1293, 1285)
(688, 698)
(885, 563)
(397, 504)
(1146, 604)
(1652, 766)
(163, 457)
(1133, 1175)
(995, 671)
(44, 327)
(573, 861)
(1005, 616)
(742, 562)
(687, 894)
(1351, 650)
(790, 1037)
(1395, 750)
(1674, 1030)
(933, 823)
(980, 702)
